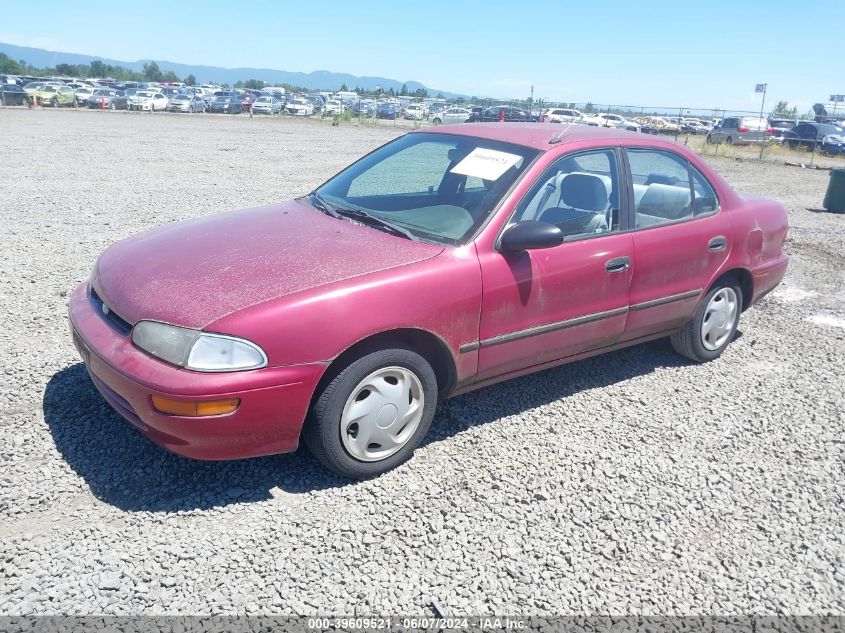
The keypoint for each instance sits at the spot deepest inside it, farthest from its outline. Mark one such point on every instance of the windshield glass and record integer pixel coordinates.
(438, 187)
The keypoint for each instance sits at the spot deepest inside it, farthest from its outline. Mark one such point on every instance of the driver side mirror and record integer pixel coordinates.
(530, 235)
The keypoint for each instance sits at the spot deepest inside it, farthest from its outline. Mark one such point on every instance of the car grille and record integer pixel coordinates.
(119, 323)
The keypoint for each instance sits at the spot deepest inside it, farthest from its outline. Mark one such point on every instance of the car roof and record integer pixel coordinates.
(539, 135)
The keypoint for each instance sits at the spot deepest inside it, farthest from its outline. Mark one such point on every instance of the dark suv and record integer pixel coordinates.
(12, 94)
(827, 137)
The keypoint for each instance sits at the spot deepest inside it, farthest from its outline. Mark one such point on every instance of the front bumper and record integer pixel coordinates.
(273, 401)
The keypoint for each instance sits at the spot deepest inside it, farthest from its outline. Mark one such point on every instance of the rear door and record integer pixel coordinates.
(680, 240)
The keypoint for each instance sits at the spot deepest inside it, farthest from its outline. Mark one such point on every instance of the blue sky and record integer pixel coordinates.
(645, 53)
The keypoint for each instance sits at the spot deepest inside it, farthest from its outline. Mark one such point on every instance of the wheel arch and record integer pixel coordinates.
(745, 280)
(425, 343)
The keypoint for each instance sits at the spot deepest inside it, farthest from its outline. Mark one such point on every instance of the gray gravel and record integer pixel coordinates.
(629, 483)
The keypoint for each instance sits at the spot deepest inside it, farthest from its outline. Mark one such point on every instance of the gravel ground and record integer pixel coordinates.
(629, 483)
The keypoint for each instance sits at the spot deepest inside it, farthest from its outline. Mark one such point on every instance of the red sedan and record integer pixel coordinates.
(446, 260)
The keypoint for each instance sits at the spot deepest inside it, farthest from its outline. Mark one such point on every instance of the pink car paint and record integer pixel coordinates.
(307, 287)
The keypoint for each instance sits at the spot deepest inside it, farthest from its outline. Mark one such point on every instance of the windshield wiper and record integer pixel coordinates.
(359, 216)
(318, 203)
(376, 222)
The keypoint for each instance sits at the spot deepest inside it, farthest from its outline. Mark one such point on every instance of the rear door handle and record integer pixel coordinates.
(719, 243)
(617, 264)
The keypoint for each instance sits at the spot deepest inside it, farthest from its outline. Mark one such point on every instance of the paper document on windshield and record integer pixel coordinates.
(487, 164)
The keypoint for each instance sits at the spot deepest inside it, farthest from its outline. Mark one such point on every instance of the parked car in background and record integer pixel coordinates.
(501, 113)
(101, 98)
(451, 115)
(415, 111)
(267, 105)
(694, 126)
(827, 137)
(121, 100)
(364, 108)
(13, 94)
(55, 96)
(781, 126)
(299, 106)
(333, 106)
(604, 119)
(226, 104)
(386, 111)
(744, 130)
(646, 127)
(82, 93)
(317, 100)
(391, 303)
(148, 100)
(30, 88)
(662, 125)
(171, 91)
(560, 115)
(186, 103)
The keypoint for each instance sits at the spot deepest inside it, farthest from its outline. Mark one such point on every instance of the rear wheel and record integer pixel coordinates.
(709, 139)
(729, 141)
(713, 325)
(436, 121)
(371, 416)
(54, 102)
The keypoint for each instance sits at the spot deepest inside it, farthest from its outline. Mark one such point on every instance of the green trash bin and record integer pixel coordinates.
(834, 199)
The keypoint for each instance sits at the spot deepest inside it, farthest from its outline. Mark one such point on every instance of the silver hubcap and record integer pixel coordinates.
(382, 414)
(719, 319)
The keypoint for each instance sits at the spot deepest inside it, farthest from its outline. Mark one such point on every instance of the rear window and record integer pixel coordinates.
(755, 123)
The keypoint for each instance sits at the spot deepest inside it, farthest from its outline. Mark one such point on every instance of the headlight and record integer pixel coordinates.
(195, 350)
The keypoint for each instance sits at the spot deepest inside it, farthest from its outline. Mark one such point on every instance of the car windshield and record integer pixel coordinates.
(436, 187)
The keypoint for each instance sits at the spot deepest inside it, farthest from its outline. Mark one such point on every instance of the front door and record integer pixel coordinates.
(542, 305)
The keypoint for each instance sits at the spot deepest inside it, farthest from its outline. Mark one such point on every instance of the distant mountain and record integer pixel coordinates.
(317, 80)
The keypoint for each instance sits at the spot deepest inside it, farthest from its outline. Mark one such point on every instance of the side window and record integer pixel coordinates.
(705, 200)
(579, 193)
(662, 191)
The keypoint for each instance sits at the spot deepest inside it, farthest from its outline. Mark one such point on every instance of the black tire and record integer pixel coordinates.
(709, 139)
(112, 106)
(322, 431)
(688, 340)
(54, 102)
(729, 141)
(436, 121)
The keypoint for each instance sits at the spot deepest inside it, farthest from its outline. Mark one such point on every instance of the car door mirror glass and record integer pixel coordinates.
(531, 235)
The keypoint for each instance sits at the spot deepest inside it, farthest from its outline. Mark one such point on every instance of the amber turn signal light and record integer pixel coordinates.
(195, 409)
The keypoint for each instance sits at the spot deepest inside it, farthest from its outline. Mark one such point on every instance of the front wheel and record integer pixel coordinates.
(54, 102)
(437, 121)
(372, 415)
(713, 325)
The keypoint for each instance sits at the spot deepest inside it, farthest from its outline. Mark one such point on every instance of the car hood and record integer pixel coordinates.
(196, 272)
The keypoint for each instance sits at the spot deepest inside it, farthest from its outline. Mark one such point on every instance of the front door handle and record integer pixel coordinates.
(719, 243)
(617, 264)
